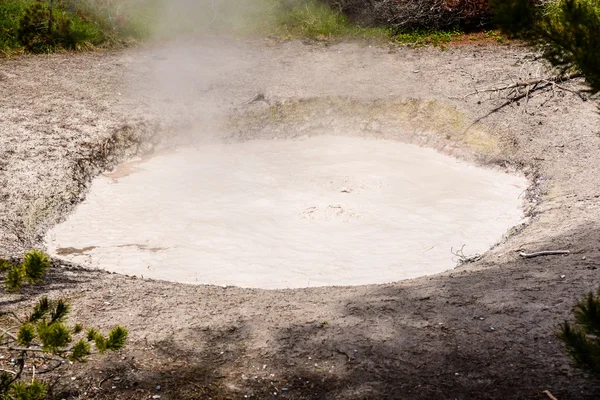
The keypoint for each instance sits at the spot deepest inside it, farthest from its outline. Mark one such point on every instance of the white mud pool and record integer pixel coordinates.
(290, 213)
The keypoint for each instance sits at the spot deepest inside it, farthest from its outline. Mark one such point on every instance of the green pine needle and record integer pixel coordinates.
(14, 279)
(26, 335)
(92, 334)
(54, 337)
(78, 328)
(35, 264)
(581, 339)
(22, 391)
(40, 310)
(116, 338)
(5, 265)
(80, 351)
(59, 311)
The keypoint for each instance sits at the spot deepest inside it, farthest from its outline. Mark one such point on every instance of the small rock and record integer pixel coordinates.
(492, 329)
(157, 387)
(156, 396)
(583, 258)
(563, 276)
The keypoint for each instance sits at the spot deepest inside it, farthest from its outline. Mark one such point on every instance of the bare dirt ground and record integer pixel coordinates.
(485, 330)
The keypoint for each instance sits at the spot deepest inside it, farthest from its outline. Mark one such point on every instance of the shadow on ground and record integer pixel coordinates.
(481, 331)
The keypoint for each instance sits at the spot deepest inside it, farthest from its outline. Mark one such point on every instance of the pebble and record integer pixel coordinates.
(563, 276)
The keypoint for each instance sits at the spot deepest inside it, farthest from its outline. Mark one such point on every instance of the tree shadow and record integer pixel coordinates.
(59, 277)
(485, 330)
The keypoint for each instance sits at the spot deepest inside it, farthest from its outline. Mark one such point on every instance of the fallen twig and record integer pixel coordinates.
(104, 380)
(462, 258)
(257, 97)
(544, 253)
(8, 371)
(348, 358)
(547, 393)
(553, 80)
(7, 333)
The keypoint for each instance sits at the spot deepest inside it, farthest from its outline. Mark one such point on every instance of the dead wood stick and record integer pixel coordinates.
(544, 253)
(547, 393)
(526, 84)
(7, 333)
(257, 97)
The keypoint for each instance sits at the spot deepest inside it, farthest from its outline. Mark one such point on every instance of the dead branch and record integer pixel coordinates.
(547, 393)
(544, 253)
(464, 259)
(256, 98)
(533, 85)
(7, 333)
(8, 371)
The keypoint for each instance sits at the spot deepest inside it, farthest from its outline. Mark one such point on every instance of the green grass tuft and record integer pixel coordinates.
(426, 37)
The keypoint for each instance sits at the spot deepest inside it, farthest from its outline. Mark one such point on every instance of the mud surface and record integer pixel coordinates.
(279, 214)
(69, 117)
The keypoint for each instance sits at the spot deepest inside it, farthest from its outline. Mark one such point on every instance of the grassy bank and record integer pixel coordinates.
(47, 26)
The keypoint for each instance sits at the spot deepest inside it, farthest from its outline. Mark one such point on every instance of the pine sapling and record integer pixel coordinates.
(32, 270)
(45, 335)
(582, 338)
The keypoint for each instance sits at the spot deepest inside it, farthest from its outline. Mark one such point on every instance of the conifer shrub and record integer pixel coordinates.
(582, 339)
(31, 271)
(43, 342)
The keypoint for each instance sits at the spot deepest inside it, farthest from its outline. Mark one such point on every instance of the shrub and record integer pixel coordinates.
(35, 265)
(49, 25)
(566, 31)
(32, 270)
(313, 19)
(583, 338)
(10, 14)
(40, 30)
(416, 14)
(45, 337)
